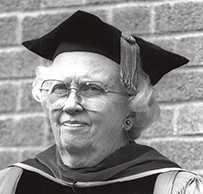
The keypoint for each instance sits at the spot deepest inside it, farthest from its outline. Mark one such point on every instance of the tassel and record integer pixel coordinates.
(130, 62)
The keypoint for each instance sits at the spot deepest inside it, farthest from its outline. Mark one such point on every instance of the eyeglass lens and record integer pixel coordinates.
(88, 94)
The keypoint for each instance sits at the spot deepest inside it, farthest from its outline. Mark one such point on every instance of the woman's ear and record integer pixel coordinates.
(129, 121)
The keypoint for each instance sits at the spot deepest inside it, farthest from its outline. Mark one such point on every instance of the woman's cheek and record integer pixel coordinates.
(45, 108)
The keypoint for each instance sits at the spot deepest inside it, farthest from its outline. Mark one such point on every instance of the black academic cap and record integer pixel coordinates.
(156, 62)
(86, 32)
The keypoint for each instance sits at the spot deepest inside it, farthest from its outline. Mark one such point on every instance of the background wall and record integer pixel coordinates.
(172, 24)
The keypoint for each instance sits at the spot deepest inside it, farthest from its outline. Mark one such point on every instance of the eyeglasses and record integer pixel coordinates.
(90, 94)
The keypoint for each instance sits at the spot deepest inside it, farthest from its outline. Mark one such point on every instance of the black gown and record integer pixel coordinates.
(120, 173)
(33, 183)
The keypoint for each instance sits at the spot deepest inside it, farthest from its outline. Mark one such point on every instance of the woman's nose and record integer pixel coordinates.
(72, 103)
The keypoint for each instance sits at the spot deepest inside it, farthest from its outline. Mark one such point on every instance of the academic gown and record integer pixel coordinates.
(132, 169)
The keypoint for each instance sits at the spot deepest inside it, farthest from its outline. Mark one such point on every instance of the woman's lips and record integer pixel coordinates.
(74, 124)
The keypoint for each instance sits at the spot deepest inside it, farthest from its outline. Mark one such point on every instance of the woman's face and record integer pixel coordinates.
(87, 132)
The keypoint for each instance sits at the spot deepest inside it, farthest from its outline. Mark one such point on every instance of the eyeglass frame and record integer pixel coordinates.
(78, 92)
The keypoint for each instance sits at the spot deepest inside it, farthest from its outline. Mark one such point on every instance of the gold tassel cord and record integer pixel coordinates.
(130, 62)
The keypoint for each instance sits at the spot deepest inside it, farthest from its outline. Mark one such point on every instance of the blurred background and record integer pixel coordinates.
(176, 25)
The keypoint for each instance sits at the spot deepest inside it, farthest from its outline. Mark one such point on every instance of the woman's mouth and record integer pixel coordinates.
(74, 124)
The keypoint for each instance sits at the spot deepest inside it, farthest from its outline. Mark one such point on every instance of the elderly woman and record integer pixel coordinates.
(98, 96)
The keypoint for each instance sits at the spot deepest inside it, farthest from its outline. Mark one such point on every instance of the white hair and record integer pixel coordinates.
(144, 106)
(42, 73)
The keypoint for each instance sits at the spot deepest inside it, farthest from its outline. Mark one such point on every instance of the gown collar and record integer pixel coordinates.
(126, 161)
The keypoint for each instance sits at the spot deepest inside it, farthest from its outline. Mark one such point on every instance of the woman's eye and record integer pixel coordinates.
(59, 88)
(91, 89)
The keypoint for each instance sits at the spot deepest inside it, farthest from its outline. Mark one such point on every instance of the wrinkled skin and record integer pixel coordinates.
(85, 137)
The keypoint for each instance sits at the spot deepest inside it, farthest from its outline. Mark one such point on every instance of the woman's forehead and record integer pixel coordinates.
(84, 65)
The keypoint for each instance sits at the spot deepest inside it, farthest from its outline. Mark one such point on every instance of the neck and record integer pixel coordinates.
(84, 158)
(75, 161)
